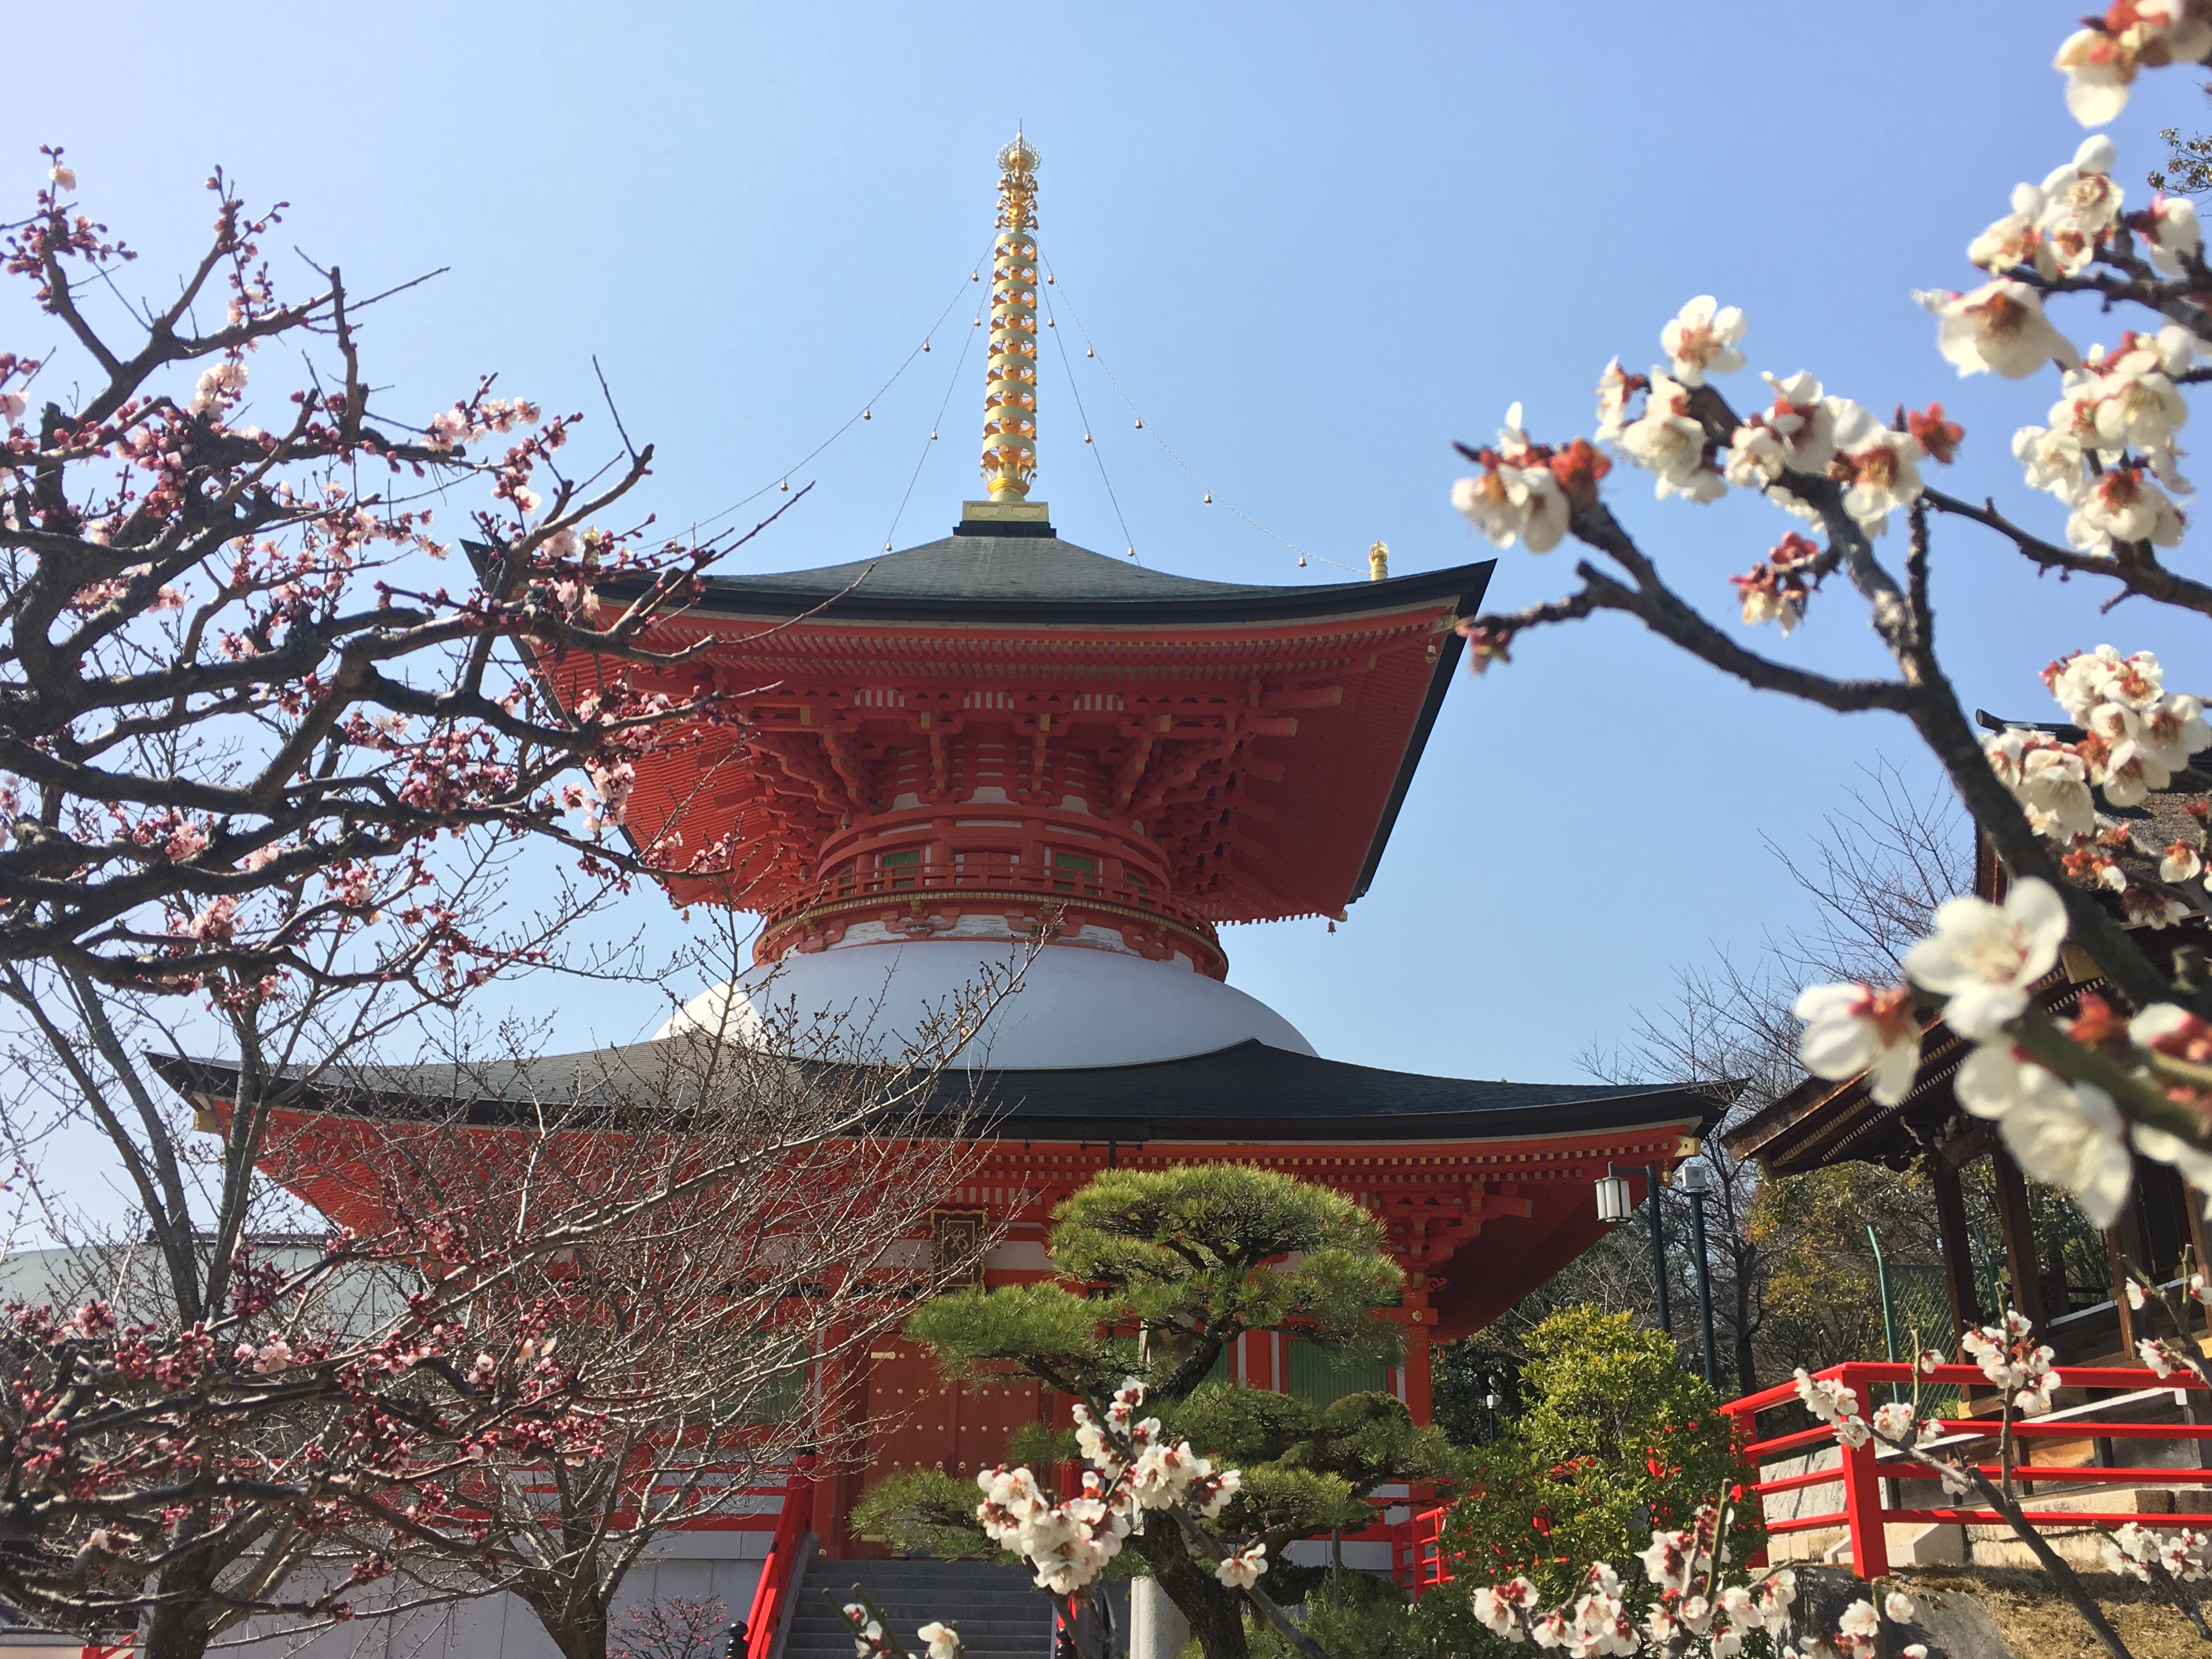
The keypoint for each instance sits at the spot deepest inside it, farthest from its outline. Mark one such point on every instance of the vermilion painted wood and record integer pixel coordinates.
(1862, 1470)
(791, 1526)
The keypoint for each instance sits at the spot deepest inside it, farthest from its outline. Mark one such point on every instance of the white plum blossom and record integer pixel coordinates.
(1672, 443)
(2017, 239)
(1849, 1028)
(1509, 501)
(63, 176)
(1702, 340)
(2174, 235)
(2123, 505)
(1882, 466)
(218, 384)
(2101, 63)
(2055, 461)
(2013, 1360)
(2068, 1135)
(1983, 956)
(943, 1641)
(1858, 1632)
(2085, 679)
(2081, 204)
(1491, 501)
(1999, 327)
(1614, 388)
(1499, 1608)
(1241, 1569)
(2184, 1554)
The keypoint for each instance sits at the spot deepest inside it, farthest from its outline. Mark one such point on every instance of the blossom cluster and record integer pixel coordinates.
(1982, 961)
(1694, 1613)
(1134, 1468)
(2135, 735)
(2183, 1554)
(2102, 57)
(2014, 1362)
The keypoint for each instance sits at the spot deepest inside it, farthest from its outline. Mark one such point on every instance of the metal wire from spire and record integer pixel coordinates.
(858, 415)
(967, 338)
(1091, 346)
(1097, 453)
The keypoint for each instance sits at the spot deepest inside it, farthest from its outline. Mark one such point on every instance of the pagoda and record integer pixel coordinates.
(1000, 747)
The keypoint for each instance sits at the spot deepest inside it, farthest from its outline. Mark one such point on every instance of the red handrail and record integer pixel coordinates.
(1860, 1471)
(793, 1523)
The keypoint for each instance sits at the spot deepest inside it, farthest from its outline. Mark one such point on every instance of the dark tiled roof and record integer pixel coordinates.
(1248, 1092)
(1044, 578)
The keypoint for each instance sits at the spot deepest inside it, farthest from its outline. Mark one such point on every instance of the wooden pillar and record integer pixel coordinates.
(2193, 1207)
(1958, 1246)
(2119, 1267)
(1418, 1400)
(2019, 1225)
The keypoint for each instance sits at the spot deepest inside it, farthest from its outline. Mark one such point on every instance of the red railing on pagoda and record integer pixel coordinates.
(1861, 1472)
(974, 883)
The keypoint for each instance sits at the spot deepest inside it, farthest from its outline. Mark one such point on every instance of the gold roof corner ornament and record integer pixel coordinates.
(1010, 376)
(1378, 561)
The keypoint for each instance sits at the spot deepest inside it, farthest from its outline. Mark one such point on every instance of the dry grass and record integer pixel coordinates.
(2039, 1624)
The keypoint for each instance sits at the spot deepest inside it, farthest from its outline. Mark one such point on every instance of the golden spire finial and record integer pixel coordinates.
(1010, 375)
(1378, 561)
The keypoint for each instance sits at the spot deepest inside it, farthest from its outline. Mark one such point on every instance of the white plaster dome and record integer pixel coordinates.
(1072, 1006)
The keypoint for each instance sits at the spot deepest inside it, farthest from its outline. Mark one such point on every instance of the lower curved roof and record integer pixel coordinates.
(1247, 1091)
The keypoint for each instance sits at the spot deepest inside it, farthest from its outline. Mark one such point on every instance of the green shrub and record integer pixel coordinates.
(1615, 1439)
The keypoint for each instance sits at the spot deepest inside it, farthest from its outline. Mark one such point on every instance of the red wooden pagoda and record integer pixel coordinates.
(943, 753)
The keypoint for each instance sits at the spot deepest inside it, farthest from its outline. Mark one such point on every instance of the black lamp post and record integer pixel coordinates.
(1697, 1184)
(1614, 1204)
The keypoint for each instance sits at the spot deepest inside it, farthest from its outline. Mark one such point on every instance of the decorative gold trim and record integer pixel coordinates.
(956, 1246)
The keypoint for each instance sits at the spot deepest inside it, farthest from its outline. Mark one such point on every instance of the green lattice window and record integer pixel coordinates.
(1322, 1376)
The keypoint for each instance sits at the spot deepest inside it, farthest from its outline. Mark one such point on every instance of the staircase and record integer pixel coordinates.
(1002, 1613)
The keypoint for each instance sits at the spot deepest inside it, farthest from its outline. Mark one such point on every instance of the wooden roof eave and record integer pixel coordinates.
(1821, 1123)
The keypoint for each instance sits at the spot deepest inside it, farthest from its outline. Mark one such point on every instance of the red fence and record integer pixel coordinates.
(1861, 1471)
(776, 1586)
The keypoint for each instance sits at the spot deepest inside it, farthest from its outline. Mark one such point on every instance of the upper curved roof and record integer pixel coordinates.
(1044, 580)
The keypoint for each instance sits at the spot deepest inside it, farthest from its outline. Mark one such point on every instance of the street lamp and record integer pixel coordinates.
(1615, 1204)
(1697, 1181)
(1493, 1400)
(1616, 1200)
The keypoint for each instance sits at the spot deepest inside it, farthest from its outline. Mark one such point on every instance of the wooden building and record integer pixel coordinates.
(1821, 1124)
(939, 758)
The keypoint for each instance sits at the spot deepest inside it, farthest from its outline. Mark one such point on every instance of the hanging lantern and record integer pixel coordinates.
(1132, 552)
(1086, 437)
(974, 277)
(925, 345)
(933, 436)
(785, 486)
(1209, 498)
(1140, 423)
(887, 547)
(1615, 1202)
(1088, 352)
(868, 414)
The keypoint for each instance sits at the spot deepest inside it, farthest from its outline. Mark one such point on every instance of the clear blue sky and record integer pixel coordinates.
(1317, 243)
